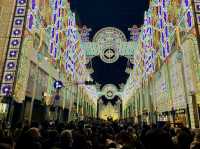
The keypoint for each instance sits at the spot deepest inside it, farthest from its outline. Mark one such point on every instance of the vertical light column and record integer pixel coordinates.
(14, 47)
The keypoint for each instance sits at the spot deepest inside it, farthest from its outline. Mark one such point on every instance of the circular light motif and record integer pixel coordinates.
(6, 89)
(109, 91)
(18, 22)
(11, 65)
(8, 77)
(20, 10)
(22, 1)
(13, 53)
(15, 42)
(109, 55)
(17, 32)
(109, 34)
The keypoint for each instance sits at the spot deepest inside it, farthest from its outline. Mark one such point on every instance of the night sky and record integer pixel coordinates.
(97, 14)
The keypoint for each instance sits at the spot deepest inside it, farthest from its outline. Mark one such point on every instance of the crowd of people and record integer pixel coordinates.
(97, 134)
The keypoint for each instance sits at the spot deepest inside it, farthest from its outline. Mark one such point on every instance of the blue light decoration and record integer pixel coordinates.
(189, 19)
(56, 29)
(186, 3)
(58, 84)
(33, 4)
(71, 45)
(12, 53)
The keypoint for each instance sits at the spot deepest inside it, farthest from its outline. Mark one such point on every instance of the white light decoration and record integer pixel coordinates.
(134, 33)
(85, 33)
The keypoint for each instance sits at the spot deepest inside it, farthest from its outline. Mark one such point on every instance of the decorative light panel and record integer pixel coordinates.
(10, 68)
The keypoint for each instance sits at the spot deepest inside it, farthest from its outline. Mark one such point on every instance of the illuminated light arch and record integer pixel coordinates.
(109, 37)
(109, 34)
(110, 91)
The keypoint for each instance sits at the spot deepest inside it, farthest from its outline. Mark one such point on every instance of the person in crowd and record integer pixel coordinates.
(196, 142)
(98, 134)
(158, 139)
(66, 140)
(30, 140)
(184, 139)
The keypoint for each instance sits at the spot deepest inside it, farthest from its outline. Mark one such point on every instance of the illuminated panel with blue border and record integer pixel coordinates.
(15, 42)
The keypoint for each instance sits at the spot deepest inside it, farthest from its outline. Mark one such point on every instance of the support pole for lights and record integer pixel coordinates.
(34, 93)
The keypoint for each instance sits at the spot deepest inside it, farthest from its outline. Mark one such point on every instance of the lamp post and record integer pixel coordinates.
(34, 91)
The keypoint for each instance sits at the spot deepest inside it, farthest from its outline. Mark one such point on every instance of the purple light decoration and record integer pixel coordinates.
(58, 25)
(30, 23)
(11, 65)
(15, 42)
(54, 18)
(56, 4)
(18, 22)
(164, 52)
(6, 89)
(20, 10)
(57, 37)
(162, 37)
(52, 32)
(166, 31)
(160, 11)
(51, 47)
(186, 3)
(161, 23)
(165, 16)
(198, 7)
(59, 12)
(60, 2)
(13, 53)
(163, 3)
(150, 31)
(17, 32)
(8, 77)
(22, 1)
(189, 19)
(167, 46)
(33, 4)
